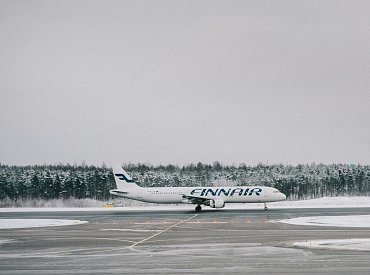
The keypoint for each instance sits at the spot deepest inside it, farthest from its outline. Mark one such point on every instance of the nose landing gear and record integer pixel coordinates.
(265, 207)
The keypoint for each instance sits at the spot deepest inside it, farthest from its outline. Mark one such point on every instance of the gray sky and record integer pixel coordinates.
(184, 81)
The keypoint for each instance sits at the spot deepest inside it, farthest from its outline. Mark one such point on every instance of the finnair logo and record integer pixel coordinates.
(226, 192)
(123, 177)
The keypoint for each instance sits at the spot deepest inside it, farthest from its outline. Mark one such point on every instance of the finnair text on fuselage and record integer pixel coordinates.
(226, 192)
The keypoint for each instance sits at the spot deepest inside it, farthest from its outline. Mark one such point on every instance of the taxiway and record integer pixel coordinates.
(172, 242)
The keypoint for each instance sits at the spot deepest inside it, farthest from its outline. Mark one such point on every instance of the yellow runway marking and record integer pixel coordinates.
(164, 230)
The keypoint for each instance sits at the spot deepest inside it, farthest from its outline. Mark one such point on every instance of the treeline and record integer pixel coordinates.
(54, 182)
(72, 181)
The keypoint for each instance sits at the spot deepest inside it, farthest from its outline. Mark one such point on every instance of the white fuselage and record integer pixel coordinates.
(235, 194)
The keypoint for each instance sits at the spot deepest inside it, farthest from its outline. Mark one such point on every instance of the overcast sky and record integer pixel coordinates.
(184, 81)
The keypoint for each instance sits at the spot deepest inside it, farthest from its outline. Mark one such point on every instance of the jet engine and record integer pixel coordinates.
(218, 203)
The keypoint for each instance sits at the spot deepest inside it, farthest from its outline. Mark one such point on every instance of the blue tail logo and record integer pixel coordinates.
(123, 177)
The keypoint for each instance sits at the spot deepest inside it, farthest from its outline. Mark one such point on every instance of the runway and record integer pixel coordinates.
(179, 242)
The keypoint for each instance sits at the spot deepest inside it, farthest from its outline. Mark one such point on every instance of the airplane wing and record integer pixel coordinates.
(195, 200)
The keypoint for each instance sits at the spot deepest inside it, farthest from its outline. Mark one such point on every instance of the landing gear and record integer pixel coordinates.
(265, 207)
(198, 208)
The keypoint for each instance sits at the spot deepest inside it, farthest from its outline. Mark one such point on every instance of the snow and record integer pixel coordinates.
(340, 221)
(29, 223)
(341, 244)
(326, 202)
(337, 221)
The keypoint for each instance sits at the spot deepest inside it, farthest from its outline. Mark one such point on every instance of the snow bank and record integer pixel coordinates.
(29, 223)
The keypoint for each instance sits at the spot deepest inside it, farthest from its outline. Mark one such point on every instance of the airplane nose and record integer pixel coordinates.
(283, 197)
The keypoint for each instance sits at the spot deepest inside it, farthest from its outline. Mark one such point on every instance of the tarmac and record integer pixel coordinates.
(217, 241)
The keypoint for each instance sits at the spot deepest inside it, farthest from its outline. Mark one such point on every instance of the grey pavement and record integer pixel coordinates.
(180, 242)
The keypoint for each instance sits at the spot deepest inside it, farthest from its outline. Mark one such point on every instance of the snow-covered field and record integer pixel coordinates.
(326, 202)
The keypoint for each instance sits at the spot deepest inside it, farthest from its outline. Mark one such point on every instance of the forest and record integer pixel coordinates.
(298, 182)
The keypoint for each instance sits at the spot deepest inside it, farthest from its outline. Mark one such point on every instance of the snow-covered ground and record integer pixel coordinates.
(29, 223)
(326, 202)
(340, 221)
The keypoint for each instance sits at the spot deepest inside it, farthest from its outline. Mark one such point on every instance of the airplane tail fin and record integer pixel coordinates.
(123, 180)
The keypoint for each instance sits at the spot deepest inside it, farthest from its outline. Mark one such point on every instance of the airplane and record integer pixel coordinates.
(215, 197)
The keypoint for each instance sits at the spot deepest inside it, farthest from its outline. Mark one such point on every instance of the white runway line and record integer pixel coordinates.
(162, 231)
